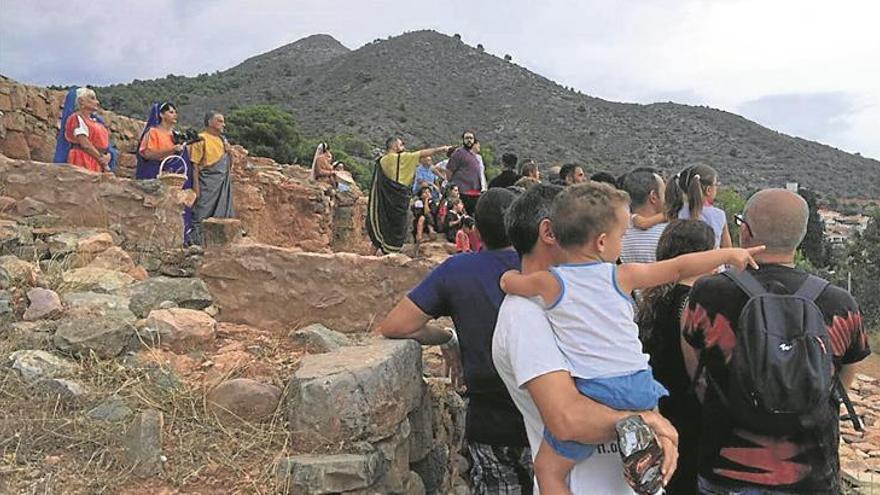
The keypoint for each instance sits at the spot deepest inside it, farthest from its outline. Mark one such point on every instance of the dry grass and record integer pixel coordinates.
(50, 447)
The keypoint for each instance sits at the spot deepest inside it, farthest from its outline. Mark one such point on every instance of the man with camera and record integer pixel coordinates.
(212, 174)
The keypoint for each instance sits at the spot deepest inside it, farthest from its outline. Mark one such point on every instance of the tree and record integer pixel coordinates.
(864, 264)
(265, 130)
(732, 203)
(813, 246)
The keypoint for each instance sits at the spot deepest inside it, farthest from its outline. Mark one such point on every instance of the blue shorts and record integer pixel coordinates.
(638, 391)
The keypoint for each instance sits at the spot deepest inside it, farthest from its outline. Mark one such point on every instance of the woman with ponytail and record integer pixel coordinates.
(691, 194)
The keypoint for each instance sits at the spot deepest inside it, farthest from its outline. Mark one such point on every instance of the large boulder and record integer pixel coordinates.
(113, 258)
(81, 304)
(182, 330)
(243, 399)
(380, 381)
(269, 287)
(190, 293)
(106, 336)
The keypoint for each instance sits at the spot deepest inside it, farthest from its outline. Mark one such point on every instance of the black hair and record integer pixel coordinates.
(639, 183)
(468, 131)
(390, 142)
(680, 237)
(604, 177)
(490, 216)
(566, 170)
(509, 160)
(525, 215)
(167, 106)
(689, 184)
(467, 222)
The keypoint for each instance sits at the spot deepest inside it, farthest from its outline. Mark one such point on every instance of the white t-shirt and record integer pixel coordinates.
(524, 348)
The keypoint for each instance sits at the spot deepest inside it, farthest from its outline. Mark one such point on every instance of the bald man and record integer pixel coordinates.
(733, 459)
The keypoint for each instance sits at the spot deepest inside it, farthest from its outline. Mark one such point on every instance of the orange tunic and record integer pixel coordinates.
(98, 135)
(157, 139)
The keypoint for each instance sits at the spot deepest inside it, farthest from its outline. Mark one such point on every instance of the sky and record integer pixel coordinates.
(806, 68)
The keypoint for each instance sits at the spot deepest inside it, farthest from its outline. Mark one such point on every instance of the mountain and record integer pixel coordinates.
(427, 87)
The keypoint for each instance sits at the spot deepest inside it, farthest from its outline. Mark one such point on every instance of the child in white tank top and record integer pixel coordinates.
(589, 307)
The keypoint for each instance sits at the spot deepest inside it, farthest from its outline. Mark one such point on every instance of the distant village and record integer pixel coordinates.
(839, 227)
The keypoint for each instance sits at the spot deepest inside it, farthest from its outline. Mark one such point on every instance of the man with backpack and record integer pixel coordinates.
(772, 351)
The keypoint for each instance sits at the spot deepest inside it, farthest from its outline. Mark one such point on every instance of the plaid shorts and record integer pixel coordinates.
(500, 470)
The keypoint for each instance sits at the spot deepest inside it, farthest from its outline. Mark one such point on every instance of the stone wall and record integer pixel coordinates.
(29, 121)
(391, 434)
(278, 205)
(142, 213)
(281, 289)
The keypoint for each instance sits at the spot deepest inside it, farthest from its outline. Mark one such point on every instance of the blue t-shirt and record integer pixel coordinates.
(423, 174)
(465, 287)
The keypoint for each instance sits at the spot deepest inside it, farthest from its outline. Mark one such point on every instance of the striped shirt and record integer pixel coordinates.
(640, 246)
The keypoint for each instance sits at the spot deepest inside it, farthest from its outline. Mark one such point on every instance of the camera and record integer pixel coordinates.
(185, 137)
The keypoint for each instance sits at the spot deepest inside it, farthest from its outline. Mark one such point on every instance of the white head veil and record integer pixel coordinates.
(320, 150)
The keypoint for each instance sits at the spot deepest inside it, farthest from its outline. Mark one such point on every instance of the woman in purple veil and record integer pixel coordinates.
(156, 144)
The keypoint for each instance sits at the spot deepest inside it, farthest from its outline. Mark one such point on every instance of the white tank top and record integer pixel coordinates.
(594, 322)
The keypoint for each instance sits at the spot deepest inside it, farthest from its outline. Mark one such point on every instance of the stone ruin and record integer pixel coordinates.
(140, 347)
(266, 329)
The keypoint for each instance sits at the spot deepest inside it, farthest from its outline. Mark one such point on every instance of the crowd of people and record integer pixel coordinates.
(594, 299)
(580, 303)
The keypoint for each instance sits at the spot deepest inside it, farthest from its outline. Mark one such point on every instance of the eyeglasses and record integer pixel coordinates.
(740, 220)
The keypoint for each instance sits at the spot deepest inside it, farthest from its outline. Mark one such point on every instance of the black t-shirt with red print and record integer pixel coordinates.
(806, 462)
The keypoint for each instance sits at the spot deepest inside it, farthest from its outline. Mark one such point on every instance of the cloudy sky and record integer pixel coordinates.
(807, 68)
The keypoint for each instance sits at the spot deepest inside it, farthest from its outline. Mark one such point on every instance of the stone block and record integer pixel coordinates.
(221, 231)
(34, 365)
(143, 443)
(380, 381)
(421, 439)
(182, 330)
(44, 303)
(324, 474)
(189, 293)
(106, 336)
(317, 338)
(95, 280)
(243, 399)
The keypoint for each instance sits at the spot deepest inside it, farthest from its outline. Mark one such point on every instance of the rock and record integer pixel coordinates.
(112, 409)
(167, 305)
(243, 399)
(66, 391)
(138, 273)
(95, 244)
(113, 258)
(434, 469)
(421, 438)
(395, 452)
(33, 365)
(190, 293)
(44, 303)
(95, 280)
(19, 271)
(82, 304)
(382, 384)
(62, 244)
(29, 207)
(212, 311)
(310, 474)
(182, 330)
(5, 279)
(5, 302)
(143, 443)
(317, 338)
(180, 262)
(31, 335)
(106, 336)
(221, 231)
(414, 485)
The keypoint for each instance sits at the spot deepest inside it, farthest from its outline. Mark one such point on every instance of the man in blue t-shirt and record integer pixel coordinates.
(465, 287)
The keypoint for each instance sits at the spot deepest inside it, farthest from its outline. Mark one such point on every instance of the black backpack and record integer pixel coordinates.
(781, 373)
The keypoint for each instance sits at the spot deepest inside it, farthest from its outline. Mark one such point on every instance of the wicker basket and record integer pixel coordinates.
(172, 180)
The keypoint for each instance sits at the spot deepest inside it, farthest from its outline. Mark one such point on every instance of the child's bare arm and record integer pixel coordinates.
(643, 275)
(644, 223)
(542, 284)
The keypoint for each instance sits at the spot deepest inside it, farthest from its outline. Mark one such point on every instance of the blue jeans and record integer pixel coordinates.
(638, 391)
